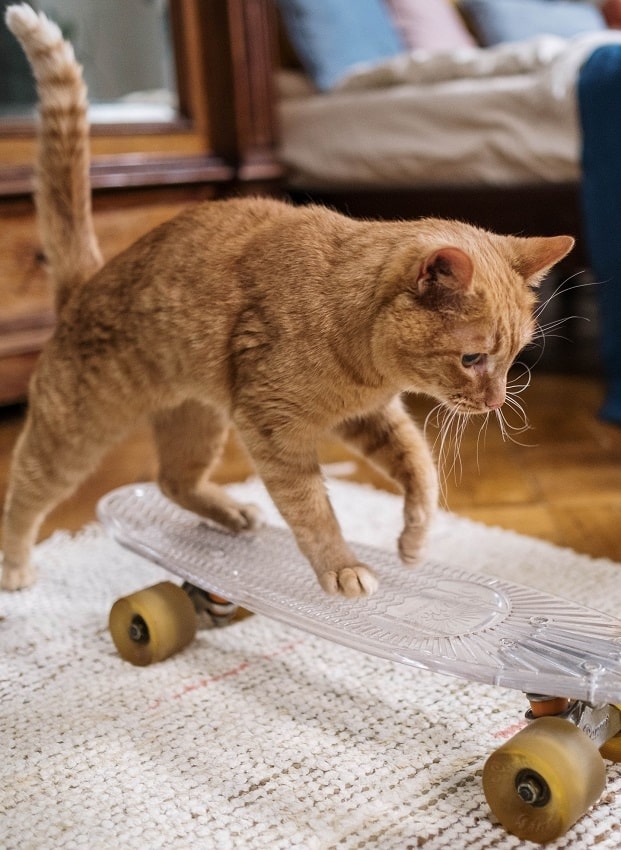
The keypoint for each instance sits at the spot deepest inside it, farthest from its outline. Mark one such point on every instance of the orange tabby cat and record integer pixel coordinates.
(287, 323)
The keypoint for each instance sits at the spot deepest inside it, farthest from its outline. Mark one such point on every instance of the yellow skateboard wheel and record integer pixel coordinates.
(541, 781)
(152, 624)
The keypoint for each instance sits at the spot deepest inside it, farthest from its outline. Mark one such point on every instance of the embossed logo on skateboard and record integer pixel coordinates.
(448, 608)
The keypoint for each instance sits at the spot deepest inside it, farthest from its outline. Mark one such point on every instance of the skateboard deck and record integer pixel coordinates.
(433, 616)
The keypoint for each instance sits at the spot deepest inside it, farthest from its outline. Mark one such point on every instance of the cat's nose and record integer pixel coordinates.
(494, 399)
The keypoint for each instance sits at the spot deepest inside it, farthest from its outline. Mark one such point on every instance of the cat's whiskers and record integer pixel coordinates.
(482, 435)
(546, 331)
(513, 404)
(451, 423)
(437, 416)
(460, 421)
(562, 288)
(543, 332)
(508, 428)
(520, 381)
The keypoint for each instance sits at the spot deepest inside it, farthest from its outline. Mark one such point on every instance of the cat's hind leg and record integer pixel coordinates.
(392, 441)
(190, 439)
(54, 453)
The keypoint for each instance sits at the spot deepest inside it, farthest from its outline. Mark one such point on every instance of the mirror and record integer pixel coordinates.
(126, 51)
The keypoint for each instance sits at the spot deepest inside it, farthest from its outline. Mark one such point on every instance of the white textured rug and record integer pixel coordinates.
(258, 736)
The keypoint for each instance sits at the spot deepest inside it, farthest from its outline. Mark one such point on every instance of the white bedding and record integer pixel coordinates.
(494, 116)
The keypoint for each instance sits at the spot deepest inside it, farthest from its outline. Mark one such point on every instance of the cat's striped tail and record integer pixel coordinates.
(62, 189)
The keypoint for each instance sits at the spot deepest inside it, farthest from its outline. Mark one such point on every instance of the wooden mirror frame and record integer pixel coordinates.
(226, 131)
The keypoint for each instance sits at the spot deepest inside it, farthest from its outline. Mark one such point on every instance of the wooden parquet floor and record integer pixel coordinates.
(562, 483)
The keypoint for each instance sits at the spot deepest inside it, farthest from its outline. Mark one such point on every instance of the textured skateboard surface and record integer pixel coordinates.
(432, 616)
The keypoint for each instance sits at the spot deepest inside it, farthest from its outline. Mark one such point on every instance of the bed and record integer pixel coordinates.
(497, 135)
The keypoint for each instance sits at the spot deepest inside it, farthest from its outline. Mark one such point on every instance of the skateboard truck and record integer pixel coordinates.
(211, 609)
(600, 723)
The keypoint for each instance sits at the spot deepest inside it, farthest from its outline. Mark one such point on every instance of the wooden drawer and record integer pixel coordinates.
(26, 292)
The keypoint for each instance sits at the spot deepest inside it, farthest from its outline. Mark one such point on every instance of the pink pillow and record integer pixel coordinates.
(430, 24)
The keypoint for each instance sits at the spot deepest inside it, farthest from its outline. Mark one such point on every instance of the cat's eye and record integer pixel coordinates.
(471, 359)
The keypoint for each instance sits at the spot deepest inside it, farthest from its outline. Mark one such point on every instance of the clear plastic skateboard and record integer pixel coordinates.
(565, 657)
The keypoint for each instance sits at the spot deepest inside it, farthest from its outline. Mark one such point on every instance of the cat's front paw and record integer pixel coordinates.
(351, 581)
(17, 578)
(233, 515)
(244, 517)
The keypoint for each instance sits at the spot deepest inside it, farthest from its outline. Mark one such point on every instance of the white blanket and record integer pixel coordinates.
(479, 115)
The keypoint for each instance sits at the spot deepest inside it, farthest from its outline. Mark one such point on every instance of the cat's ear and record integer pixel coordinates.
(448, 270)
(535, 255)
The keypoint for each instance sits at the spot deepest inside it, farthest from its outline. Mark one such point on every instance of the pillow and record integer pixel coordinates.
(434, 25)
(330, 36)
(496, 21)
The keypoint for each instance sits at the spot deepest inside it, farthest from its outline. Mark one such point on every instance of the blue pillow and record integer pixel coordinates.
(330, 36)
(495, 21)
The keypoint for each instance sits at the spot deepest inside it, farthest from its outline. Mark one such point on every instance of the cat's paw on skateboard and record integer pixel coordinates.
(351, 581)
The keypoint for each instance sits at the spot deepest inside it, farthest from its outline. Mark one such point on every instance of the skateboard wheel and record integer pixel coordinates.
(152, 624)
(541, 781)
